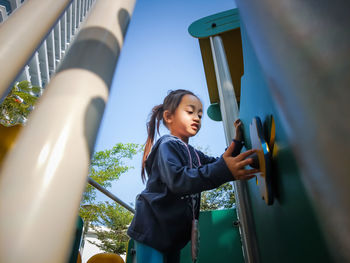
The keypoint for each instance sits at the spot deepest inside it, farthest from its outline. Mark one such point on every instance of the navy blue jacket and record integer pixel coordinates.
(164, 209)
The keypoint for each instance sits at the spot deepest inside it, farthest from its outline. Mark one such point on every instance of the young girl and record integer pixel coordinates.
(177, 173)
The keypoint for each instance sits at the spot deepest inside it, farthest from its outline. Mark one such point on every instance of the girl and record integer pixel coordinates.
(177, 173)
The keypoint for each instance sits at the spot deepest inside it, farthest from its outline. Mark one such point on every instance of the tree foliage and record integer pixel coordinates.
(107, 166)
(111, 227)
(109, 221)
(219, 198)
(17, 105)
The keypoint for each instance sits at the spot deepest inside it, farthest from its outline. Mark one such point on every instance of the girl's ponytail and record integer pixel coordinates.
(154, 121)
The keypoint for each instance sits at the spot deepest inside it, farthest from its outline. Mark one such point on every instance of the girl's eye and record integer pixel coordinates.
(189, 112)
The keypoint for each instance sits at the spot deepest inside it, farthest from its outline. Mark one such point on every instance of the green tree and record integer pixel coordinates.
(17, 105)
(219, 198)
(106, 167)
(111, 227)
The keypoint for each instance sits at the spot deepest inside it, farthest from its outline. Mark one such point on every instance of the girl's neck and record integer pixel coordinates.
(185, 139)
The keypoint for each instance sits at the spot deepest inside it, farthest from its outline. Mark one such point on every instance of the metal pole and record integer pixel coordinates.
(230, 112)
(22, 33)
(44, 176)
(228, 101)
(110, 195)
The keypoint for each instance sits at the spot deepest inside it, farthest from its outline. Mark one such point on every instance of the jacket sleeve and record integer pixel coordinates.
(205, 159)
(181, 179)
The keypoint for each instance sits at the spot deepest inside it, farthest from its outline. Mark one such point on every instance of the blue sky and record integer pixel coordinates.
(158, 55)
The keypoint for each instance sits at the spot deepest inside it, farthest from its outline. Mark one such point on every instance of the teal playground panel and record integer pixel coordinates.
(219, 239)
(288, 230)
(77, 240)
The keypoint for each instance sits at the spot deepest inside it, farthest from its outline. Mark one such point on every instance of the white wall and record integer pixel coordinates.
(89, 249)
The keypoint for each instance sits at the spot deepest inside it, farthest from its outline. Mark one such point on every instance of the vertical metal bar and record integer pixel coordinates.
(230, 112)
(34, 69)
(58, 50)
(63, 22)
(36, 18)
(81, 12)
(51, 52)
(39, 199)
(78, 12)
(44, 64)
(69, 25)
(228, 101)
(74, 17)
(24, 75)
(84, 8)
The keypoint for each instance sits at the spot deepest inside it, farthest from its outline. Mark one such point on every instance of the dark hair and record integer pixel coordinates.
(170, 103)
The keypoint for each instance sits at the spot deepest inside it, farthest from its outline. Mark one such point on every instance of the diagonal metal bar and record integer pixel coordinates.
(110, 195)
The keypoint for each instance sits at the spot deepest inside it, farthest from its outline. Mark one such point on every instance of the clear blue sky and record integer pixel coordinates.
(158, 55)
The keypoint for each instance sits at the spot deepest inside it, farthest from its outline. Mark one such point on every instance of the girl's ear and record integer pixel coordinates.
(167, 117)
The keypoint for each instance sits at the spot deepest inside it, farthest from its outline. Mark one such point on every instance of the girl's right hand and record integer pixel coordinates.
(236, 164)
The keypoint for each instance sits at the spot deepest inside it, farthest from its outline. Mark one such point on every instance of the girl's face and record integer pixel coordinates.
(186, 120)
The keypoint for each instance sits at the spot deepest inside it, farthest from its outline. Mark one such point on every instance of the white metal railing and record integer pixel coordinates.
(38, 208)
(43, 64)
(22, 33)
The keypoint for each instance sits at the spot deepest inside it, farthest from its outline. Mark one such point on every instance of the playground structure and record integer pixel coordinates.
(37, 197)
(277, 69)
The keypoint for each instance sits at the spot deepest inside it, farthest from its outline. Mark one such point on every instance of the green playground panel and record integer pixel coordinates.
(289, 229)
(219, 238)
(77, 240)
